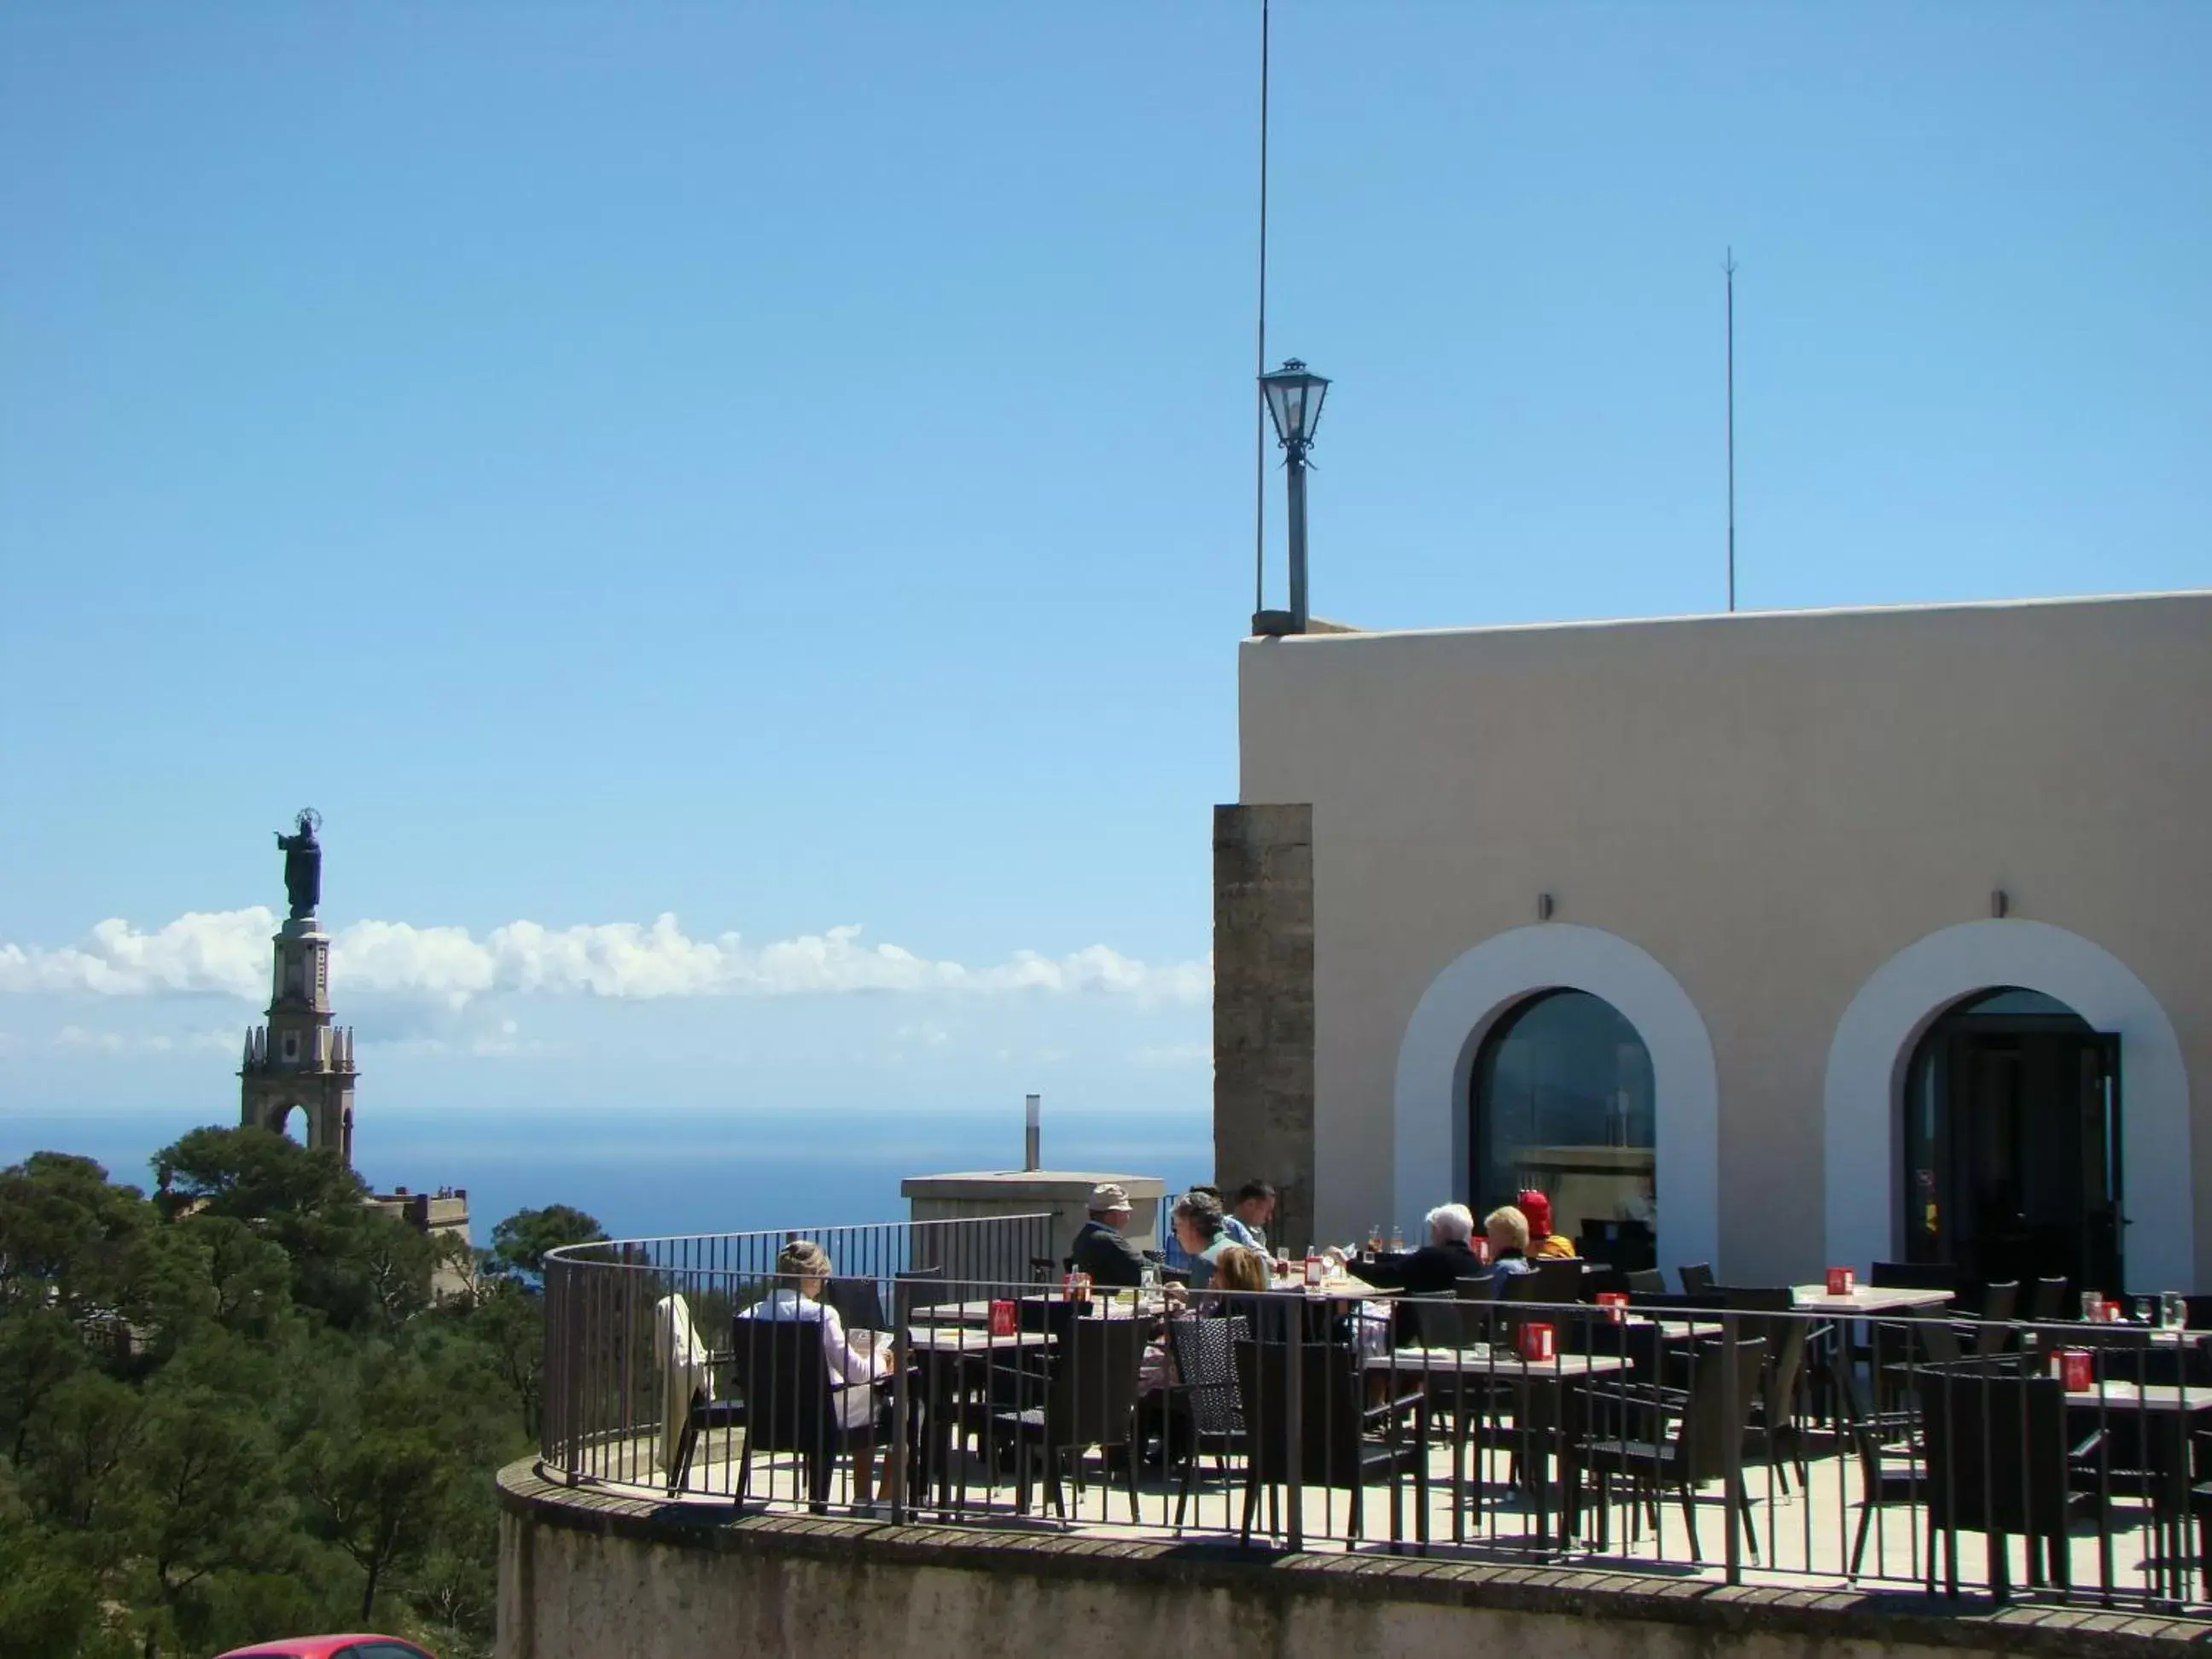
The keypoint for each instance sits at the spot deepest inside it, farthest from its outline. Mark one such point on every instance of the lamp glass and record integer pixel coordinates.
(1294, 398)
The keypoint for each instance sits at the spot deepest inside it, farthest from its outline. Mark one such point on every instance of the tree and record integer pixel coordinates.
(520, 1243)
(214, 1402)
(374, 1494)
(48, 1607)
(354, 1266)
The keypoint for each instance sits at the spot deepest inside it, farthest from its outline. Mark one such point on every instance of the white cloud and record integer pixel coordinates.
(225, 952)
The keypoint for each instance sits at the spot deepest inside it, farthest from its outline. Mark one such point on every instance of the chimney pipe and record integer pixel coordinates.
(1033, 1131)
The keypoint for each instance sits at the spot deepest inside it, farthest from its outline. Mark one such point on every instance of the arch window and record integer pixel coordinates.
(1562, 1100)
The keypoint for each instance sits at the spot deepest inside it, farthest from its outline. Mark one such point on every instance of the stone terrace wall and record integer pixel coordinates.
(591, 1577)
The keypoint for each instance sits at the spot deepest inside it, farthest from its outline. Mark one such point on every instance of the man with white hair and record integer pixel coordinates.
(1436, 1268)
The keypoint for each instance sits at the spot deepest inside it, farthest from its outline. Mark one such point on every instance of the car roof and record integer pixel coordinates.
(307, 1647)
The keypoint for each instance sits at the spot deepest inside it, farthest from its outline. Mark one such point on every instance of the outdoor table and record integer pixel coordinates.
(2166, 1415)
(1103, 1305)
(1477, 1371)
(949, 1363)
(1867, 1300)
(1343, 1288)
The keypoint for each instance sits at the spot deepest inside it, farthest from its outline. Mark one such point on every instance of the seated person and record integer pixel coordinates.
(804, 1267)
(1507, 1229)
(1251, 1215)
(1543, 1243)
(1437, 1268)
(1100, 1249)
(1198, 1229)
(1234, 1268)
(1238, 1268)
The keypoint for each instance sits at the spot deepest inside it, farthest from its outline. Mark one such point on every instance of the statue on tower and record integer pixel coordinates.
(303, 863)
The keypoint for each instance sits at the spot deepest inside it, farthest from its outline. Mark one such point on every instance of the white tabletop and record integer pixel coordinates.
(1867, 1298)
(1494, 1362)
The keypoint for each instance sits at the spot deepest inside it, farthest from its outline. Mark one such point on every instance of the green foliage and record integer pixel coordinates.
(234, 1409)
(520, 1243)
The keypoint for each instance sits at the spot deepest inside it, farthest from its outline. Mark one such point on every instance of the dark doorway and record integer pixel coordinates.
(2012, 1144)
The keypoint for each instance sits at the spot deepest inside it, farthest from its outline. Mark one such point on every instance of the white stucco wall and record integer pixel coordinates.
(1770, 810)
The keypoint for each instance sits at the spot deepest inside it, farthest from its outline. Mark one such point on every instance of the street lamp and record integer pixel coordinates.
(1294, 397)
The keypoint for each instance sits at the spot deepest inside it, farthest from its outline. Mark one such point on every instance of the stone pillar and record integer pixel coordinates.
(1263, 1008)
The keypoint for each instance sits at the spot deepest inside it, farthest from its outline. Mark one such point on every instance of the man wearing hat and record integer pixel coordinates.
(1100, 1249)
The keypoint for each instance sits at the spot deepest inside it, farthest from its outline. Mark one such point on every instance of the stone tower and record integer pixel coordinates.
(299, 1058)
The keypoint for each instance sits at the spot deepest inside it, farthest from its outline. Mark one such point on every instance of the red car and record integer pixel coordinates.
(331, 1647)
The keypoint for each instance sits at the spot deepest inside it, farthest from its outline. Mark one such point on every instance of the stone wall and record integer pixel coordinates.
(1263, 1007)
(587, 1575)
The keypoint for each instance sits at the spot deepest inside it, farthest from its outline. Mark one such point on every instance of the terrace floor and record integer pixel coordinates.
(1804, 1533)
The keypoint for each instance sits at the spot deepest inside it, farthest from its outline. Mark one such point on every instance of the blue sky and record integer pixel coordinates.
(790, 468)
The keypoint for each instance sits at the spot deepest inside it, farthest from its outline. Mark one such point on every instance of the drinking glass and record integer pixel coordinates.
(2092, 1306)
(2144, 1308)
(1374, 1238)
(2173, 1310)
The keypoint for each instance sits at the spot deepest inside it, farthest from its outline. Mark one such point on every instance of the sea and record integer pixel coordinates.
(648, 1173)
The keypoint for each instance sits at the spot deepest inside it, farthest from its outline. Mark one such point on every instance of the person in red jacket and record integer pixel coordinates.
(1542, 1241)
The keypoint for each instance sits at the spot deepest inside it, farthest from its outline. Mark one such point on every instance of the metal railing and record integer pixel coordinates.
(1731, 1434)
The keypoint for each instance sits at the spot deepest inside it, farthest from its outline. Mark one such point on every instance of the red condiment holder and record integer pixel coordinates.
(1842, 1281)
(1537, 1343)
(1076, 1287)
(1615, 1303)
(1481, 1248)
(2076, 1368)
(1002, 1319)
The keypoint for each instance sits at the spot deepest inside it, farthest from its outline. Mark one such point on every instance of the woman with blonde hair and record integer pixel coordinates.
(1239, 1267)
(803, 1268)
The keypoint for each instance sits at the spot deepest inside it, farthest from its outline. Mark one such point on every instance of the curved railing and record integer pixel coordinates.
(1752, 1434)
(624, 1318)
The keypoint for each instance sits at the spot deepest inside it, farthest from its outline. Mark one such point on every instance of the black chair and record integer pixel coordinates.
(1997, 1463)
(1890, 1467)
(1781, 1379)
(1043, 1270)
(1913, 1276)
(1090, 1400)
(1646, 1281)
(1697, 1453)
(1557, 1279)
(1204, 1352)
(1697, 1277)
(1344, 1442)
(791, 1404)
(1629, 1245)
(1438, 1322)
(1994, 1335)
(859, 1303)
(921, 1285)
(2048, 1302)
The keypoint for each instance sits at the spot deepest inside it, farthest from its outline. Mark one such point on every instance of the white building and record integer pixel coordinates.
(1808, 937)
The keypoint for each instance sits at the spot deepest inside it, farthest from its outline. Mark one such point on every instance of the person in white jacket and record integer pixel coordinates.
(804, 1267)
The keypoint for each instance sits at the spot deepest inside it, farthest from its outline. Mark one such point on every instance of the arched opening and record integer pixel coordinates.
(1562, 1098)
(2011, 1143)
(292, 1122)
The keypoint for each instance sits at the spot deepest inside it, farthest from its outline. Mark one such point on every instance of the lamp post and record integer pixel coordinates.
(1294, 397)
